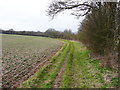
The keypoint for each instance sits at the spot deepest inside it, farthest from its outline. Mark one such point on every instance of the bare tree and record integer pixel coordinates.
(77, 6)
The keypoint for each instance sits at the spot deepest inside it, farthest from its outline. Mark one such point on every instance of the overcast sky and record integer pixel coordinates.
(31, 15)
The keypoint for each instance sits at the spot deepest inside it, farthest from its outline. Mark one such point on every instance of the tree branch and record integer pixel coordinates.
(59, 6)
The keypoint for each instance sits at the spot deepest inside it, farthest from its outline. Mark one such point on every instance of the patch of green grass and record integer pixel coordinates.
(104, 73)
(86, 73)
(66, 79)
(115, 82)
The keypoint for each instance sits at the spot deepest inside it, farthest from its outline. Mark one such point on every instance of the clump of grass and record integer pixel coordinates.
(115, 82)
(106, 75)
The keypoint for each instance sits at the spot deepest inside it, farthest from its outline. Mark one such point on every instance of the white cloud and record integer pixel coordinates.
(31, 15)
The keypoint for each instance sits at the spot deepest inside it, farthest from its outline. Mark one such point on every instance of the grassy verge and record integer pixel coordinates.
(87, 73)
(46, 75)
(106, 76)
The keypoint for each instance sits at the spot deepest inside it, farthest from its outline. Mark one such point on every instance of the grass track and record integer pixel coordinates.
(66, 79)
(79, 72)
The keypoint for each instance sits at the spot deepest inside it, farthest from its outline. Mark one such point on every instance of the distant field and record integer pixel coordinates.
(20, 54)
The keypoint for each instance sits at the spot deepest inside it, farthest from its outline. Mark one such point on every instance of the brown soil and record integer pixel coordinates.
(32, 71)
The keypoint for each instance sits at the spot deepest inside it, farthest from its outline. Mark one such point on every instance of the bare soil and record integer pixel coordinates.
(31, 71)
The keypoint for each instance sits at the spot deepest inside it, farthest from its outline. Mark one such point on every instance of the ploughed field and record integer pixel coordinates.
(23, 55)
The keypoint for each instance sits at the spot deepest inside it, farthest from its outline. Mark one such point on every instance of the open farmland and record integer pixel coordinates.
(22, 56)
(39, 62)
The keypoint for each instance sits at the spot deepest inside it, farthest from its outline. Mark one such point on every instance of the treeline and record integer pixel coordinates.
(29, 33)
(66, 34)
(99, 32)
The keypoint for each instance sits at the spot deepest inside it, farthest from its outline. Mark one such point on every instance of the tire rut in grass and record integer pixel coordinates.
(53, 71)
(57, 80)
(67, 74)
(51, 68)
(47, 75)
